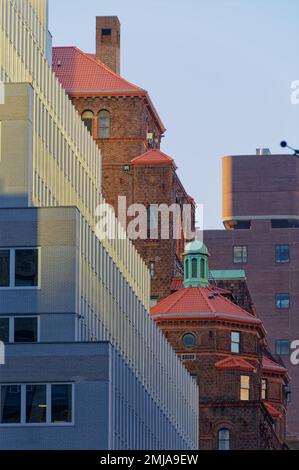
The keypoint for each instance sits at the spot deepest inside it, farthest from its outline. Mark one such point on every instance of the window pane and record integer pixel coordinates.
(282, 254)
(282, 301)
(26, 267)
(240, 254)
(235, 348)
(25, 330)
(36, 404)
(235, 337)
(223, 437)
(61, 403)
(10, 404)
(89, 124)
(4, 330)
(283, 347)
(4, 268)
(244, 394)
(244, 381)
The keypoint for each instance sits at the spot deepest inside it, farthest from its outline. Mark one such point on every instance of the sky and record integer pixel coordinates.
(218, 71)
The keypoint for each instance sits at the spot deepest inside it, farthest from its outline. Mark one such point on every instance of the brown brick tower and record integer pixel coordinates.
(128, 130)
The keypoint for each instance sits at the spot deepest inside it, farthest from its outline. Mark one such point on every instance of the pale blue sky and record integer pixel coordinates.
(218, 71)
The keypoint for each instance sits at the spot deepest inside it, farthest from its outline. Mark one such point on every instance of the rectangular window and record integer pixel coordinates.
(25, 330)
(106, 32)
(240, 255)
(26, 268)
(10, 404)
(4, 268)
(282, 301)
(61, 401)
(4, 330)
(264, 389)
(282, 254)
(19, 268)
(282, 347)
(36, 403)
(245, 388)
(235, 342)
(39, 404)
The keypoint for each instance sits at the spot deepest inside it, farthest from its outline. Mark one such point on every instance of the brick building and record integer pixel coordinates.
(242, 389)
(127, 127)
(261, 219)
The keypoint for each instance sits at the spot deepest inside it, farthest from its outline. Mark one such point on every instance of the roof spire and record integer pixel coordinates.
(196, 265)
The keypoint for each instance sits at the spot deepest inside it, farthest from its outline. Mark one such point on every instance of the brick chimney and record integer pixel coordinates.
(108, 41)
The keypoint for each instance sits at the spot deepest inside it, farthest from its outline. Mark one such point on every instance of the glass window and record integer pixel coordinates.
(282, 347)
(282, 301)
(245, 388)
(189, 340)
(187, 268)
(4, 330)
(36, 404)
(202, 268)
(87, 118)
(264, 389)
(26, 268)
(10, 404)
(104, 124)
(4, 268)
(153, 301)
(235, 342)
(61, 400)
(223, 439)
(25, 330)
(194, 268)
(240, 254)
(106, 32)
(282, 253)
(288, 393)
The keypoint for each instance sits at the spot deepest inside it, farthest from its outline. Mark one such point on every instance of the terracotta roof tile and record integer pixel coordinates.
(272, 411)
(271, 366)
(152, 157)
(201, 302)
(236, 363)
(81, 72)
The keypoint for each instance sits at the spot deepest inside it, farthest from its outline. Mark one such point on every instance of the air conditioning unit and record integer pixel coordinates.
(188, 357)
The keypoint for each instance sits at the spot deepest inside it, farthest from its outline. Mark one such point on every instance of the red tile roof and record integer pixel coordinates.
(272, 411)
(271, 366)
(201, 303)
(152, 157)
(83, 74)
(236, 363)
(177, 284)
(80, 72)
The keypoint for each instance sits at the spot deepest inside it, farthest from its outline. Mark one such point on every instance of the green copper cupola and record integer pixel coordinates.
(196, 265)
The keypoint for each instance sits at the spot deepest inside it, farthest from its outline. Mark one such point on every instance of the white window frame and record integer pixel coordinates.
(48, 422)
(12, 259)
(11, 327)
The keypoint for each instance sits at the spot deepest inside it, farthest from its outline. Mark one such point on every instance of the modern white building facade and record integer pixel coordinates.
(73, 308)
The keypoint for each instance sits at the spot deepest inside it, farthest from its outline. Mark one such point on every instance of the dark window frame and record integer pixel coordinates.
(279, 347)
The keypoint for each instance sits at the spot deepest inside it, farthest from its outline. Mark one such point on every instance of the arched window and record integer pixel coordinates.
(187, 269)
(223, 439)
(202, 268)
(194, 268)
(87, 118)
(104, 124)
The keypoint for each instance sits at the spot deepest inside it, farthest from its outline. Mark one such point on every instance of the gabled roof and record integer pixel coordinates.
(235, 363)
(153, 157)
(273, 367)
(82, 74)
(198, 303)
